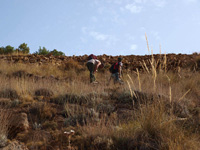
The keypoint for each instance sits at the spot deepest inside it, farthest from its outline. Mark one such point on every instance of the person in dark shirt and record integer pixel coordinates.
(117, 71)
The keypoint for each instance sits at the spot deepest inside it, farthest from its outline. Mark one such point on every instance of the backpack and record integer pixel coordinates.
(114, 68)
(92, 56)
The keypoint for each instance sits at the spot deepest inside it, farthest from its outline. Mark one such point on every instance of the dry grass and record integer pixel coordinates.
(150, 125)
(5, 119)
(36, 69)
(153, 128)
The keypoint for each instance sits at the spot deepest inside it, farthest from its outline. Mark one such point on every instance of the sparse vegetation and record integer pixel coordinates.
(155, 108)
(23, 49)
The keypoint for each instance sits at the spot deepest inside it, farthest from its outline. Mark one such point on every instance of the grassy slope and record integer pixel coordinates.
(155, 110)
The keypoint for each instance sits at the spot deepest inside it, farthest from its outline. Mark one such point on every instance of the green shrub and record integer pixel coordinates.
(42, 51)
(57, 53)
(24, 48)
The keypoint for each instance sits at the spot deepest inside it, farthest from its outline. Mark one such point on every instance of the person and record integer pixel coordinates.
(116, 71)
(93, 64)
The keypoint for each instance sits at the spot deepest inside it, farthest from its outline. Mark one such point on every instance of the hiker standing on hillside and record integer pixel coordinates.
(116, 71)
(92, 65)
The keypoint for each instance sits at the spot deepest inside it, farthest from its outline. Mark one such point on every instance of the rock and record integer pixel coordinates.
(26, 59)
(3, 140)
(19, 123)
(32, 60)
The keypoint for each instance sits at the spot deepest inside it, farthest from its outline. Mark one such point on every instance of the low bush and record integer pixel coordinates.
(43, 92)
(9, 93)
(41, 111)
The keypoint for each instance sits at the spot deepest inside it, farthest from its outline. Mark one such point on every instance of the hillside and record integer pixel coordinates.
(47, 103)
(131, 62)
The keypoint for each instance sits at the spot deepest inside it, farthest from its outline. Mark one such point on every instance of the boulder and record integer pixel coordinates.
(18, 123)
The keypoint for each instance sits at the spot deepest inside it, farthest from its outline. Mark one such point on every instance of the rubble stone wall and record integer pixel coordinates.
(131, 62)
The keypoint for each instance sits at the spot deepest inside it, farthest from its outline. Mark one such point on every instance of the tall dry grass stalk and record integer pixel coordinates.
(154, 72)
(170, 89)
(147, 43)
(138, 74)
(130, 88)
(160, 49)
(153, 65)
(143, 67)
(184, 95)
(133, 90)
(165, 63)
(146, 66)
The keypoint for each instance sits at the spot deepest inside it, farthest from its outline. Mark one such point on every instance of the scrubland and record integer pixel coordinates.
(155, 109)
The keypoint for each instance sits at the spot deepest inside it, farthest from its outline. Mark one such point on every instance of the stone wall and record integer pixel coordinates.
(131, 62)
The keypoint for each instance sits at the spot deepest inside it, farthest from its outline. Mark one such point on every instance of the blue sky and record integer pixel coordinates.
(112, 27)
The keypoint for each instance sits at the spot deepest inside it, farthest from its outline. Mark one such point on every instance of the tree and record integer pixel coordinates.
(24, 48)
(2, 50)
(42, 51)
(57, 53)
(9, 49)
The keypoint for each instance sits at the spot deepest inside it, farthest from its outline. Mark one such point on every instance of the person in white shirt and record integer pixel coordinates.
(92, 66)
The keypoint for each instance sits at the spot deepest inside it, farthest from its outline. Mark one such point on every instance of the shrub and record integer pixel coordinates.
(153, 128)
(72, 64)
(49, 125)
(57, 53)
(43, 92)
(40, 112)
(70, 98)
(8, 50)
(24, 48)
(9, 93)
(42, 51)
(197, 60)
(2, 49)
